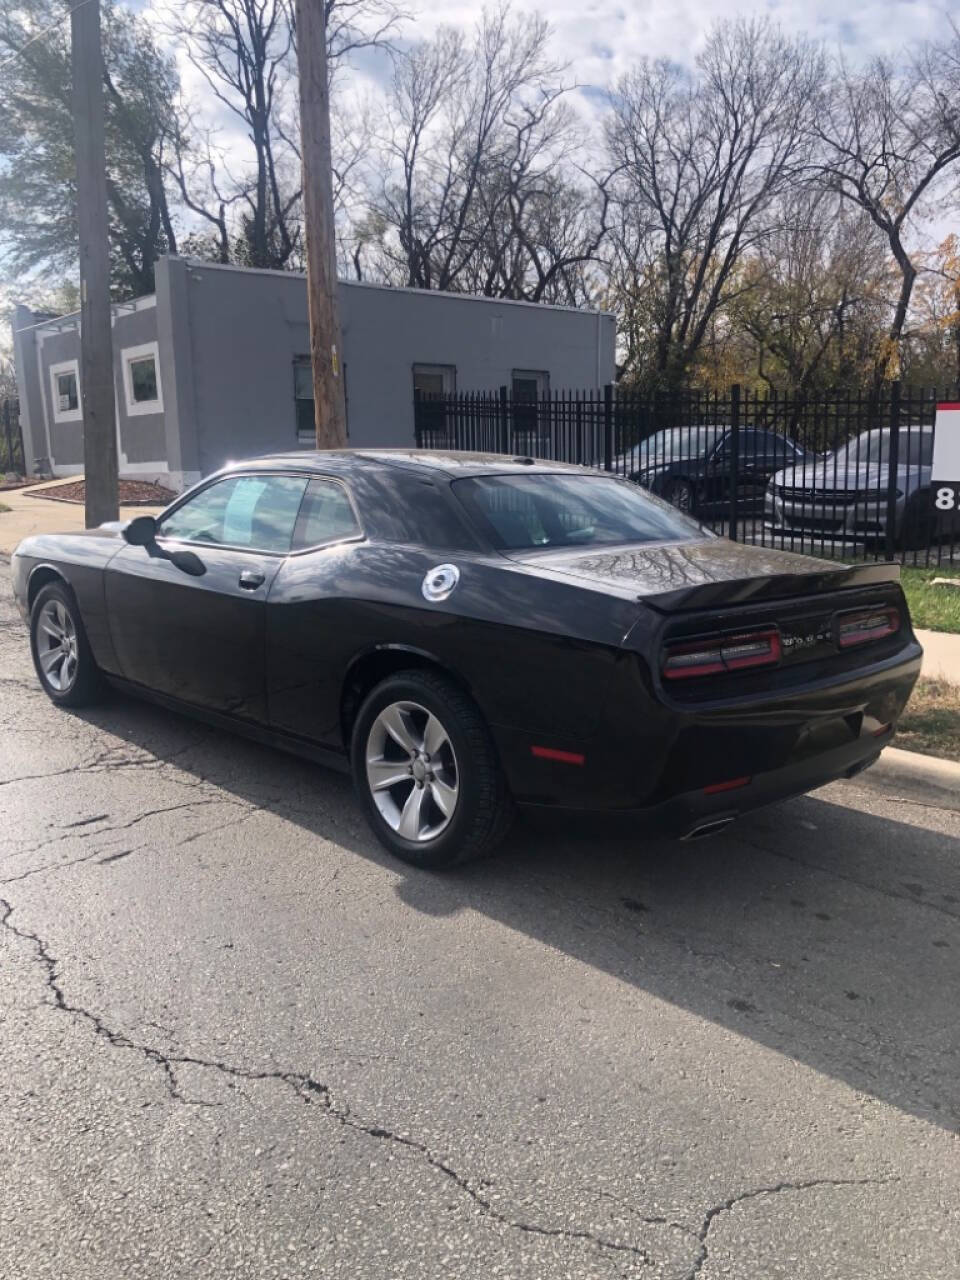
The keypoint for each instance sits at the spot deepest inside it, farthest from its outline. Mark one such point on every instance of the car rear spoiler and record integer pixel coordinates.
(778, 586)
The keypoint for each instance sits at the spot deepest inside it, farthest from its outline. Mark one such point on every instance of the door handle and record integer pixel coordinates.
(250, 579)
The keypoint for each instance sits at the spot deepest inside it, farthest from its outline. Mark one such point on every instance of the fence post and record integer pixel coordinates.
(417, 423)
(608, 427)
(734, 458)
(8, 433)
(504, 421)
(893, 456)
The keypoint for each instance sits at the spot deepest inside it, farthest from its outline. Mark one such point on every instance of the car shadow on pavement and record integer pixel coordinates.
(815, 928)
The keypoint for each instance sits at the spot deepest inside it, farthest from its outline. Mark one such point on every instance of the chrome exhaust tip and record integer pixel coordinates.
(712, 828)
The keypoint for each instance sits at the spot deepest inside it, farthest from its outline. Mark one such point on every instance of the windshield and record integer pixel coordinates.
(569, 510)
(872, 447)
(678, 443)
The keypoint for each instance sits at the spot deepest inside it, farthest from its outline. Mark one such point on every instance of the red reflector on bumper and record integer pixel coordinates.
(732, 785)
(553, 753)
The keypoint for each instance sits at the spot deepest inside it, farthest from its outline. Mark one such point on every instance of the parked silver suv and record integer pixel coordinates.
(844, 494)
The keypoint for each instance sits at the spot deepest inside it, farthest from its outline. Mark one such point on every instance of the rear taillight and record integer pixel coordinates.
(866, 625)
(715, 655)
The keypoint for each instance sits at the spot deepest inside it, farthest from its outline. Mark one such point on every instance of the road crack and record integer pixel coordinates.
(70, 833)
(307, 1088)
(725, 1206)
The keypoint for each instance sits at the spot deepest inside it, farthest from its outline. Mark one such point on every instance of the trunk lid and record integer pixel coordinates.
(713, 573)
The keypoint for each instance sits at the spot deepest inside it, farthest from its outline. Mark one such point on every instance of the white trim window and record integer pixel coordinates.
(432, 384)
(435, 379)
(141, 379)
(530, 385)
(65, 391)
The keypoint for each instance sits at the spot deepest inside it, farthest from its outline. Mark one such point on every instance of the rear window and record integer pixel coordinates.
(524, 512)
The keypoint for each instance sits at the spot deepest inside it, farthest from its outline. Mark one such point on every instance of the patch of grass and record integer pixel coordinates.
(931, 722)
(935, 608)
(3, 507)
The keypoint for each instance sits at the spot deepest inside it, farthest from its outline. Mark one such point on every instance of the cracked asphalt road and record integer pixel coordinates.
(237, 1040)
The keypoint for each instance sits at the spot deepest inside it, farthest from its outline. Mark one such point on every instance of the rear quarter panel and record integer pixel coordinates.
(536, 655)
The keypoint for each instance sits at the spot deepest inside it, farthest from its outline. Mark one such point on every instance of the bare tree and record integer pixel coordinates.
(890, 137)
(814, 296)
(477, 189)
(701, 162)
(242, 48)
(249, 198)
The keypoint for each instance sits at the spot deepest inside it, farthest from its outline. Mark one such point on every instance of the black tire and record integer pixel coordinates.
(679, 493)
(81, 682)
(483, 810)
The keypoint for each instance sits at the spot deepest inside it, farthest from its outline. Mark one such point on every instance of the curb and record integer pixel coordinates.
(936, 780)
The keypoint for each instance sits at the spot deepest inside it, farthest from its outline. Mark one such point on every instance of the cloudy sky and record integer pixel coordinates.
(602, 37)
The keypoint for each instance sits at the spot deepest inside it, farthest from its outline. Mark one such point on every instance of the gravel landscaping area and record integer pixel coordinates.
(131, 493)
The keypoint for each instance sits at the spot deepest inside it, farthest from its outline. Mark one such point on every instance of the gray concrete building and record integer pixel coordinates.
(215, 366)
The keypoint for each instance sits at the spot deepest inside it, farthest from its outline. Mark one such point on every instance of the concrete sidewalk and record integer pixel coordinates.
(28, 515)
(941, 655)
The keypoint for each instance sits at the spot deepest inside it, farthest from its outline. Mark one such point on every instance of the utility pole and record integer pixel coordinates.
(96, 340)
(326, 344)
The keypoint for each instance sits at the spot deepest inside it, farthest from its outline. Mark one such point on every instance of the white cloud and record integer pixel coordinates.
(603, 38)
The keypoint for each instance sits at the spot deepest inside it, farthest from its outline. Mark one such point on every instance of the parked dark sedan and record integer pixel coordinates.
(695, 470)
(469, 632)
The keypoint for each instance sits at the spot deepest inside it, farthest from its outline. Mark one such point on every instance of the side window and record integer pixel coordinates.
(325, 516)
(722, 452)
(775, 446)
(254, 512)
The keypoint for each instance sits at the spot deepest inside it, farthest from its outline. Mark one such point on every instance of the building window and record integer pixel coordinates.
(303, 400)
(431, 382)
(65, 391)
(529, 387)
(435, 379)
(141, 379)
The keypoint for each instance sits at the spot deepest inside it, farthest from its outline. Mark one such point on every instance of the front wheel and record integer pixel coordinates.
(61, 652)
(427, 773)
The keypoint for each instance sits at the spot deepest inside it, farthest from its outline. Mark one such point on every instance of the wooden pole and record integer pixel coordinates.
(326, 344)
(96, 339)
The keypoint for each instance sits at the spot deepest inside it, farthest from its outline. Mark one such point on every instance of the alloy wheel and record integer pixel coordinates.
(57, 646)
(412, 771)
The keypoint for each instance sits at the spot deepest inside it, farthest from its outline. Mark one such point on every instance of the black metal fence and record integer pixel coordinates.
(11, 438)
(840, 476)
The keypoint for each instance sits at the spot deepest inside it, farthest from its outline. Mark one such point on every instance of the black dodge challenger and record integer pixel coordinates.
(468, 632)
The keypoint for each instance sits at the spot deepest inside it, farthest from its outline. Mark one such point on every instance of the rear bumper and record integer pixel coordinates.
(669, 765)
(687, 814)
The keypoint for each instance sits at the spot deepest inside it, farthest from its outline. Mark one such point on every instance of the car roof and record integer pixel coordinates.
(423, 461)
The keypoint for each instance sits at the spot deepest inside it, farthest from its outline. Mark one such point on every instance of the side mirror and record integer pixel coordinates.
(141, 531)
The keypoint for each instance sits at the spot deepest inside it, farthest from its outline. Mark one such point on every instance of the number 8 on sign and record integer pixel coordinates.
(945, 472)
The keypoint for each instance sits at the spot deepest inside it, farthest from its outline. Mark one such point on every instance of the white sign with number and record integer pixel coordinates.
(946, 458)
